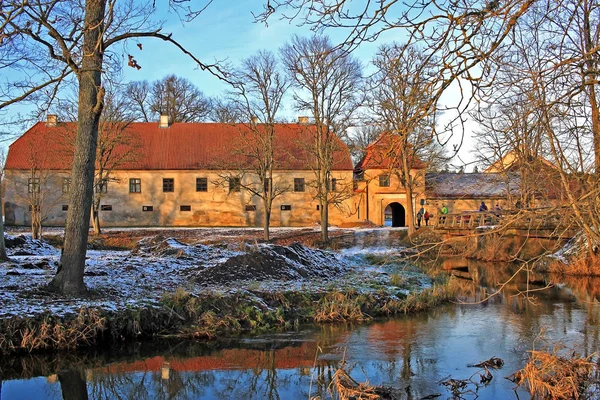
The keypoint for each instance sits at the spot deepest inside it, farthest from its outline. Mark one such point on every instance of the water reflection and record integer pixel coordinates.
(413, 354)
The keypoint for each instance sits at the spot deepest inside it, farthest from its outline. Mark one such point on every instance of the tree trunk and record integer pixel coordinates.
(96, 216)
(69, 277)
(3, 255)
(324, 220)
(267, 221)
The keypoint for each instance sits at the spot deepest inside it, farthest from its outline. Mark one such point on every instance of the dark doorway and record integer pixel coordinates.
(395, 215)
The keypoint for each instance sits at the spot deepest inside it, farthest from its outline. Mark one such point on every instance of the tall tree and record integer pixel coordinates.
(327, 84)
(400, 99)
(174, 96)
(46, 42)
(259, 91)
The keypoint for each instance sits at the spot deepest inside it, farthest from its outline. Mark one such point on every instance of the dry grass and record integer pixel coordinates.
(548, 375)
(587, 265)
(347, 388)
(343, 307)
(49, 332)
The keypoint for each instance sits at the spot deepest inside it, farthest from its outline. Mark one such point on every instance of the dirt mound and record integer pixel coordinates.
(24, 245)
(273, 262)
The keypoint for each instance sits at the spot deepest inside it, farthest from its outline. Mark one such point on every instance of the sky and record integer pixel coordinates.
(226, 32)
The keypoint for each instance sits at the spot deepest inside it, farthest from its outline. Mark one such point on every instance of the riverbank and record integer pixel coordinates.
(163, 287)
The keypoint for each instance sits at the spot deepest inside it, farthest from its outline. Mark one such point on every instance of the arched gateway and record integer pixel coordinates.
(397, 213)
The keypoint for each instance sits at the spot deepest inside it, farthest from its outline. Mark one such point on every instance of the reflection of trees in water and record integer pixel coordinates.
(72, 385)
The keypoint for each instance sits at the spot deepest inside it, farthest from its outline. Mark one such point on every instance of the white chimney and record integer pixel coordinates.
(164, 121)
(254, 120)
(303, 120)
(51, 120)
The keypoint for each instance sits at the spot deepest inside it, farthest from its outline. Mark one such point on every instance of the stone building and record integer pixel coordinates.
(180, 174)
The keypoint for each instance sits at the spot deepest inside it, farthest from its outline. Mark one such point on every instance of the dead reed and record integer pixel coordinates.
(50, 332)
(587, 265)
(549, 375)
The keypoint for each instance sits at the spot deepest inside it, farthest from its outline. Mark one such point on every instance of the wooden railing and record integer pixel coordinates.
(467, 220)
(525, 219)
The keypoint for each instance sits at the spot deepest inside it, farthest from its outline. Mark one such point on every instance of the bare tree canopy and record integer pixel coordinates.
(258, 92)
(46, 43)
(327, 85)
(173, 96)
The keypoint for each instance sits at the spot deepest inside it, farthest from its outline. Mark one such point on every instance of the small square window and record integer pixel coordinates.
(168, 185)
(250, 207)
(234, 184)
(384, 180)
(34, 185)
(298, 184)
(102, 187)
(185, 208)
(201, 184)
(65, 207)
(106, 208)
(66, 185)
(147, 208)
(318, 207)
(286, 207)
(135, 185)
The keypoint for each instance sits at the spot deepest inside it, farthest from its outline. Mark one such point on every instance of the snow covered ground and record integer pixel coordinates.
(120, 279)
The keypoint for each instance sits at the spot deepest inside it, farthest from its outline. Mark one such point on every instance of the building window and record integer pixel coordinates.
(298, 184)
(135, 185)
(66, 187)
(318, 207)
(185, 208)
(250, 207)
(384, 180)
(106, 208)
(102, 186)
(234, 184)
(147, 208)
(168, 185)
(34, 185)
(286, 207)
(333, 184)
(65, 207)
(201, 184)
(267, 184)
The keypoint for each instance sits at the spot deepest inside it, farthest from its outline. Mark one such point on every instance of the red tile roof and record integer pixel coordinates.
(181, 146)
(385, 153)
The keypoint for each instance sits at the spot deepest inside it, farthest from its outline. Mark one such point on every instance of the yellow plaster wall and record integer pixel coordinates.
(216, 207)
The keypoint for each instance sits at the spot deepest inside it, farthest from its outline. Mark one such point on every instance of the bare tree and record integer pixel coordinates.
(360, 138)
(173, 96)
(258, 93)
(225, 111)
(47, 42)
(400, 100)
(327, 84)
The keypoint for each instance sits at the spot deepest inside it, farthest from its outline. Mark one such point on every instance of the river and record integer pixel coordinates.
(412, 354)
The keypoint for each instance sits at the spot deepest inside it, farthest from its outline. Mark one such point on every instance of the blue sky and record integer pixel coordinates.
(225, 32)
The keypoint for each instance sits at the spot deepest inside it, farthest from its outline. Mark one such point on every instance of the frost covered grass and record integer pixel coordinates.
(165, 288)
(584, 265)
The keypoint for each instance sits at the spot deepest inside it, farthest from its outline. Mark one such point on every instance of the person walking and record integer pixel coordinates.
(426, 216)
(483, 207)
(420, 216)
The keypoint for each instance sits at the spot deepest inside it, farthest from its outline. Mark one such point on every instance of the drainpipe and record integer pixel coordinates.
(381, 212)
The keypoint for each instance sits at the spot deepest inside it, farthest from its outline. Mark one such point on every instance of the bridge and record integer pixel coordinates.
(545, 223)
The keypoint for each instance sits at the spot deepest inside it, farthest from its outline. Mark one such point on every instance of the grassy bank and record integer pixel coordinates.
(207, 316)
